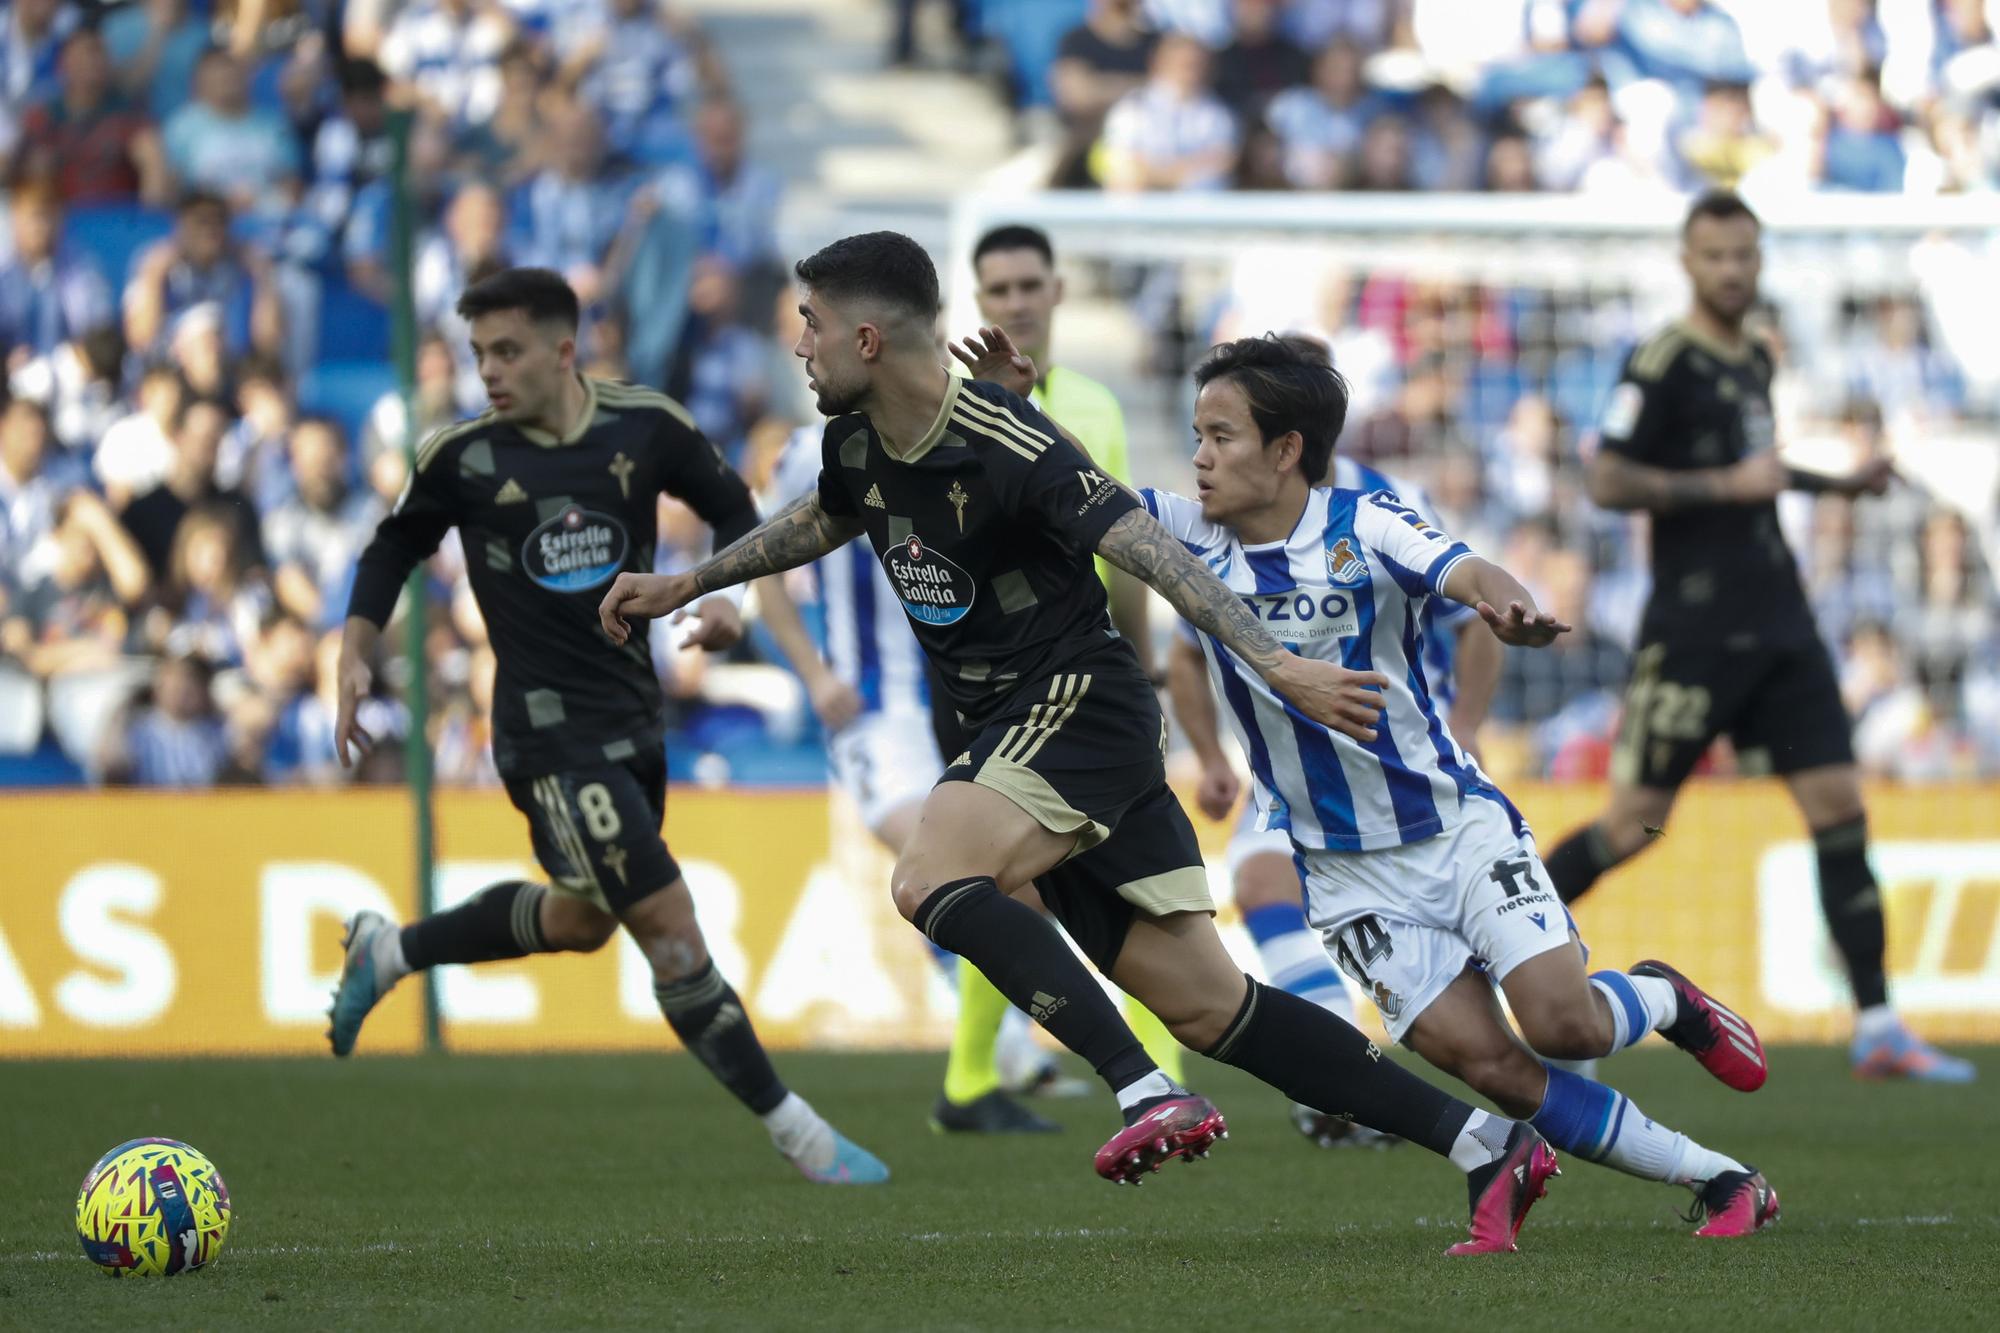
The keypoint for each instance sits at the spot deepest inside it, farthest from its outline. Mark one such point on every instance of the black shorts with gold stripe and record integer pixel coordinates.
(1083, 753)
(1776, 696)
(596, 829)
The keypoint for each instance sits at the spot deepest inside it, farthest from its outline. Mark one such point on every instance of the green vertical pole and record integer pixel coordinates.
(403, 349)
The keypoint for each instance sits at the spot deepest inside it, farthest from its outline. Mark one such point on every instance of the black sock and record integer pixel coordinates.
(1853, 907)
(705, 1014)
(1028, 962)
(500, 921)
(1314, 1057)
(1577, 862)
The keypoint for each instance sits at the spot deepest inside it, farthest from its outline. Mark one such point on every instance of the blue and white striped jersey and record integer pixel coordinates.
(1442, 617)
(1350, 586)
(865, 636)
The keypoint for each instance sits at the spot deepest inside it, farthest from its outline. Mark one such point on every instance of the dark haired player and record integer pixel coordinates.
(1728, 642)
(554, 490)
(1420, 876)
(985, 517)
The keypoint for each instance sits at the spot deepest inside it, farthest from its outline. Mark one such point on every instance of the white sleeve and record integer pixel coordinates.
(1180, 516)
(1416, 554)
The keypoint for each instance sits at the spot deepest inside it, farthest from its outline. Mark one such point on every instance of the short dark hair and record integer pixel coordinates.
(362, 78)
(1720, 205)
(1291, 385)
(1014, 236)
(882, 265)
(544, 294)
(191, 200)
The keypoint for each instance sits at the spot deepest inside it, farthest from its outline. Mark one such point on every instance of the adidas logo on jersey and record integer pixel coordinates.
(874, 498)
(511, 494)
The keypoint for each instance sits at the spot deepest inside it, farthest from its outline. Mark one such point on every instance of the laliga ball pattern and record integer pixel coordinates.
(152, 1208)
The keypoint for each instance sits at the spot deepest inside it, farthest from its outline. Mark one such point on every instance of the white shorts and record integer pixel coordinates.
(884, 761)
(1403, 922)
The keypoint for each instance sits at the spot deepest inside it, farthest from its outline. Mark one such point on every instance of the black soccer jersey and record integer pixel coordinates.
(1686, 403)
(986, 529)
(546, 524)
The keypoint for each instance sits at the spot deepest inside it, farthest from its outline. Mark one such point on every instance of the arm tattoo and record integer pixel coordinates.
(1138, 544)
(796, 534)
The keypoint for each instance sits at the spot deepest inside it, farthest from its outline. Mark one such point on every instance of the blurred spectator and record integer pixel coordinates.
(1541, 687)
(1369, 24)
(1685, 44)
(1522, 464)
(633, 67)
(568, 214)
(506, 147)
(253, 454)
(28, 496)
(313, 540)
(1171, 133)
(138, 450)
(173, 736)
(1206, 21)
(92, 145)
(30, 42)
(213, 596)
(1320, 128)
(435, 400)
(471, 241)
(1949, 613)
(154, 518)
(1723, 145)
(71, 610)
(155, 46)
(78, 384)
(220, 143)
(1260, 61)
(1448, 150)
(1420, 426)
(731, 202)
(199, 264)
(1863, 148)
(49, 293)
(1510, 165)
(447, 52)
(1101, 60)
(1385, 159)
(351, 148)
(903, 39)
(723, 380)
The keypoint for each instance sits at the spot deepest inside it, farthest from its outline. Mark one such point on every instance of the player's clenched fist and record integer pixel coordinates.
(1348, 701)
(642, 597)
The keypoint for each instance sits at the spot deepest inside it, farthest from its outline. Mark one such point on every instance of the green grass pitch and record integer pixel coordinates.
(588, 1192)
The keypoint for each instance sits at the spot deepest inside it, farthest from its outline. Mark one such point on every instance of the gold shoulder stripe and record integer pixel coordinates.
(1000, 416)
(445, 435)
(615, 393)
(993, 432)
(1656, 355)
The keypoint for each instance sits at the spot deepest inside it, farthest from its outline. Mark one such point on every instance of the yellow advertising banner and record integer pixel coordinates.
(158, 924)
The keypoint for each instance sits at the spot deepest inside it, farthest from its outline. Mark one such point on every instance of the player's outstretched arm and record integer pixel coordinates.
(1617, 482)
(1487, 588)
(796, 534)
(1331, 695)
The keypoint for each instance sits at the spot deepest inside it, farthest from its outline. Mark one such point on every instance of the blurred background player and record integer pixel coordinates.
(1461, 662)
(1422, 876)
(1728, 643)
(555, 487)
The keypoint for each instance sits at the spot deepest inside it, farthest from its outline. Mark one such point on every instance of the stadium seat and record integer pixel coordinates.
(1031, 30)
(346, 390)
(113, 233)
(352, 327)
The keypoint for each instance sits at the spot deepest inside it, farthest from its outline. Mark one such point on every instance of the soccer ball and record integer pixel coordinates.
(152, 1208)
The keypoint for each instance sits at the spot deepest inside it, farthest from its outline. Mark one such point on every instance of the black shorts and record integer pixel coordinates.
(1779, 704)
(1083, 754)
(596, 829)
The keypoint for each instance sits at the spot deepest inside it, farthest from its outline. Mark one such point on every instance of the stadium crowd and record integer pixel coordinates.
(199, 435)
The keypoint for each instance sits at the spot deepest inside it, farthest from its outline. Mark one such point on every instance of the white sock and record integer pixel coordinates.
(1482, 1141)
(1638, 1005)
(800, 1132)
(1296, 961)
(1877, 1020)
(1698, 1165)
(387, 948)
(1155, 1084)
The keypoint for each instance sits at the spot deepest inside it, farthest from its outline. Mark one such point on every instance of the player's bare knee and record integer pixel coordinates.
(584, 934)
(1566, 1032)
(909, 884)
(1510, 1078)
